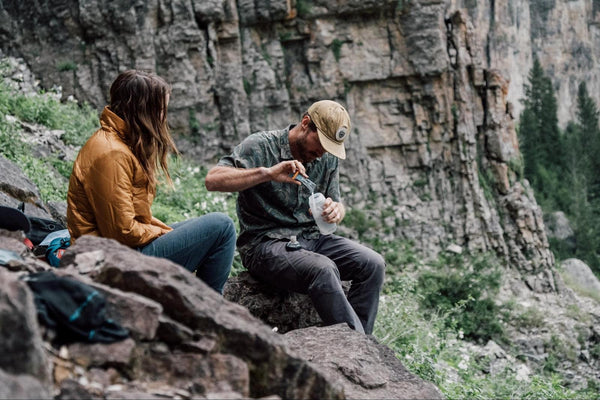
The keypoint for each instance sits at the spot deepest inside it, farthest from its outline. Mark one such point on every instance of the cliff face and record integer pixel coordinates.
(433, 156)
(563, 34)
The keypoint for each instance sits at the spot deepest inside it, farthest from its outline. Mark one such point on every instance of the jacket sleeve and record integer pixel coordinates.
(110, 191)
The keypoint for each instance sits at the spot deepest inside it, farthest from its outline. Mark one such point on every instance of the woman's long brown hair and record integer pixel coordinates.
(140, 99)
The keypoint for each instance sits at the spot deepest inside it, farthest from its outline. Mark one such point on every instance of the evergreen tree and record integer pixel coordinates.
(588, 141)
(584, 144)
(541, 141)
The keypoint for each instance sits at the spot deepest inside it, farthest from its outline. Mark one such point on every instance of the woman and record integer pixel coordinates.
(114, 180)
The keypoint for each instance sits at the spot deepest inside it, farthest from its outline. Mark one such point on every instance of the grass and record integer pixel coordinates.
(77, 121)
(432, 344)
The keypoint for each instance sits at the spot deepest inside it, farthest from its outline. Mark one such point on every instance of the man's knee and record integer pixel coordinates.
(324, 277)
(378, 266)
(373, 267)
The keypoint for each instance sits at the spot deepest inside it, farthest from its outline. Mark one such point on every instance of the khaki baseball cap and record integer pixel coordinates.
(333, 125)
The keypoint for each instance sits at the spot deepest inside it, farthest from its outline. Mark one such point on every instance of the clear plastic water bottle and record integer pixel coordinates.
(316, 202)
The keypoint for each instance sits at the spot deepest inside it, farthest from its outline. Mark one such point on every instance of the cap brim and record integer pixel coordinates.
(337, 149)
(14, 220)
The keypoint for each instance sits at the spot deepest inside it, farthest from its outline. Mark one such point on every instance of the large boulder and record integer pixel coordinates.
(218, 346)
(580, 274)
(20, 339)
(280, 309)
(365, 368)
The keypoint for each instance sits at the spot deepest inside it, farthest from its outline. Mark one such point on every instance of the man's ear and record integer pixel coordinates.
(305, 121)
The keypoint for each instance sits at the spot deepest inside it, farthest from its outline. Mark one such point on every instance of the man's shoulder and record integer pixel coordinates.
(267, 141)
(266, 136)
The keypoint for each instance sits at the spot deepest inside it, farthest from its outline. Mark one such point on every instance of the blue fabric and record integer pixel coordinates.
(204, 244)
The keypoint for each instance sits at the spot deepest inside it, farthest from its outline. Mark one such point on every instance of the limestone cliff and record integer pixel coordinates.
(433, 156)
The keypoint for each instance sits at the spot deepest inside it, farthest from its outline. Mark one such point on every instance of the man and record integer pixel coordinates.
(273, 207)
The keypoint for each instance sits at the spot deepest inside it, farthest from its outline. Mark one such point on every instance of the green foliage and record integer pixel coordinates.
(66, 66)
(78, 121)
(193, 122)
(529, 319)
(563, 169)
(430, 343)
(336, 48)
(303, 7)
(541, 141)
(358, 220)
(465, 289)
(516, 164)
(189, 198)
(247, 87)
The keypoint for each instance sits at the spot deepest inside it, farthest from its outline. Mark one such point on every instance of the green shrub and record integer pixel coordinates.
(456, 280)
(358, 220)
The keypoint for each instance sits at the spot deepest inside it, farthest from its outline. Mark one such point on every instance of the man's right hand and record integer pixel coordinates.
(231, 179)
(284, 171)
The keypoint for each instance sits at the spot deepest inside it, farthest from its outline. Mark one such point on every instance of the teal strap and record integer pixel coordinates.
(77, 312)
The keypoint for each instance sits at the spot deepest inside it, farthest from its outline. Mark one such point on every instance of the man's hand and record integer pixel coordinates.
(231, 179)
(333, 212)
(281, 172)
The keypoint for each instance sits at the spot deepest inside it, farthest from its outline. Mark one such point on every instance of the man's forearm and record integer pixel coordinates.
(231, 179)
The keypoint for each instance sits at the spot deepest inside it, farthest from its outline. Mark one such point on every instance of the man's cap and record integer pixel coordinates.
(333, 125)
(14, 220)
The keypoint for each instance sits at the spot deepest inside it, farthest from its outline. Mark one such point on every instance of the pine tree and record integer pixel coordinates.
(541, 141)
(584, 146)
(588, 141)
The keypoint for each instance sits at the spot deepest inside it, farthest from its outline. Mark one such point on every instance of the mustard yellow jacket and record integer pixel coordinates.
(109, 194)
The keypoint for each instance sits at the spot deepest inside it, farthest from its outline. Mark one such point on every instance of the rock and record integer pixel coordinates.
(357, 362)
(71, 389)
(15, 184)
(578, 273)
(117, 354)
(279, 309)
(22, 387)
(558, 226)
(20, 337)
(189, 302)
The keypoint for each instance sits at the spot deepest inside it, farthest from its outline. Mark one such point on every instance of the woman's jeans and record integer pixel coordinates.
(204, 244)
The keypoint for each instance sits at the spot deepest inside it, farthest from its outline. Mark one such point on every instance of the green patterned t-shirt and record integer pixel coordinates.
(273, 209)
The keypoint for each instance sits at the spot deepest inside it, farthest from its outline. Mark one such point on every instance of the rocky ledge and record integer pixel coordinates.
(186, 341)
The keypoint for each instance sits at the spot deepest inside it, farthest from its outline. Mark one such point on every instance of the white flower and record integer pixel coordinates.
(461, 334)
(463, 365)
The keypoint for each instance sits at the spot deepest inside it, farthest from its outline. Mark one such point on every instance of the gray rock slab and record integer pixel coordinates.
(21, 347)
(581, 274)
(365, 368)
(190, 302)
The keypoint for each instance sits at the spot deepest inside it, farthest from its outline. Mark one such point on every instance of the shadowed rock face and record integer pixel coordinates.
(185, 339)
(280, 309)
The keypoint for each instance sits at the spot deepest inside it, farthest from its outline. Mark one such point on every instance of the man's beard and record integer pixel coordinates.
(304, 155)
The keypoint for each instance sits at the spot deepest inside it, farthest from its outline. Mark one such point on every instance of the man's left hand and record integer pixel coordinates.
(333, 211)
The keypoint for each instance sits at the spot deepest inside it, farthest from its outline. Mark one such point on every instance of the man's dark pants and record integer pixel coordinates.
(318, 269)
